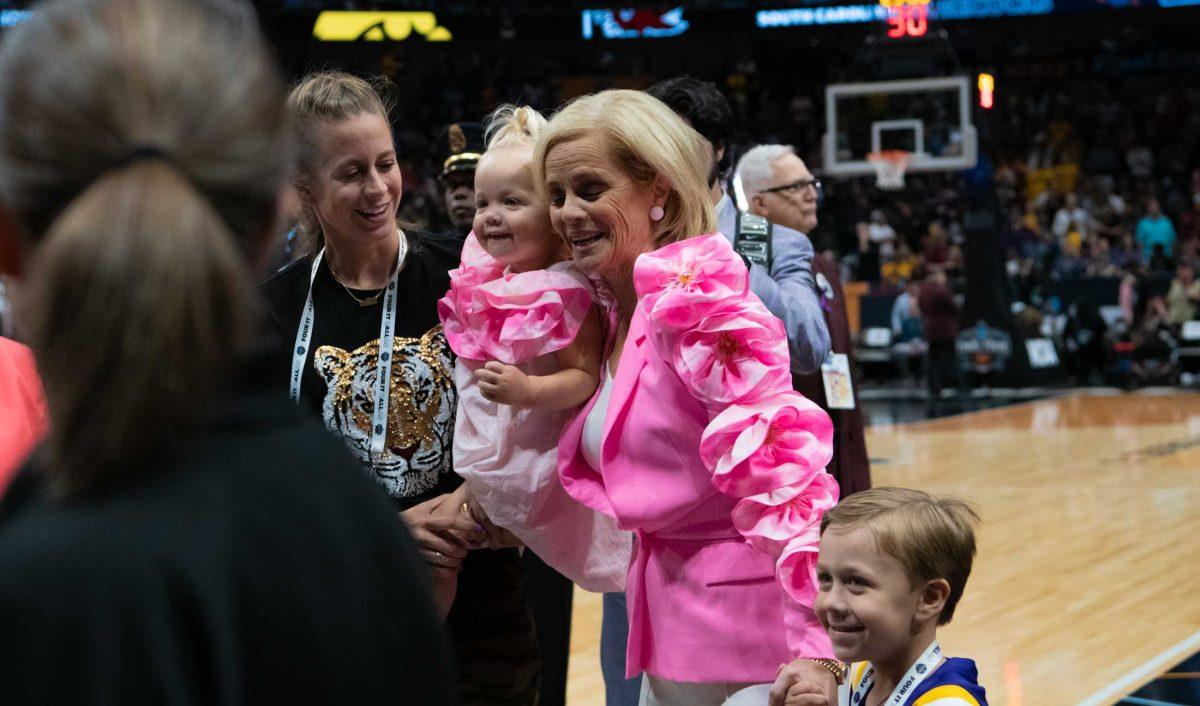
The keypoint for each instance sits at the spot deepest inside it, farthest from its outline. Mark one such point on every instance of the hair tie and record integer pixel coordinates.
(143, 152)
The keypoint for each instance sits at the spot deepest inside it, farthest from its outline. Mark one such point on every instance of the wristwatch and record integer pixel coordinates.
(836, 668)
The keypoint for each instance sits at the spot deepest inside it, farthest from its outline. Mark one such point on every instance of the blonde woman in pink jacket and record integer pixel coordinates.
(694, 440)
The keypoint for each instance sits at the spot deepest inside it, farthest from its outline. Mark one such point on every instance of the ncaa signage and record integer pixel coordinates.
(983, 349)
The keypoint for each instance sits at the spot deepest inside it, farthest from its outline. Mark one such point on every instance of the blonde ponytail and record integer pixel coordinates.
(140, 304)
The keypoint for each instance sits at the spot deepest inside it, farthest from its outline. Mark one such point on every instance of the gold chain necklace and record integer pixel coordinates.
(368, 301)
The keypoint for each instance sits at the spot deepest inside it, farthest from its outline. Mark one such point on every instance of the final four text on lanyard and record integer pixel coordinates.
(387, 334)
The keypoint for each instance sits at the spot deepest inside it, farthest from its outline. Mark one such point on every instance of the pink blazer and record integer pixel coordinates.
(710, 598)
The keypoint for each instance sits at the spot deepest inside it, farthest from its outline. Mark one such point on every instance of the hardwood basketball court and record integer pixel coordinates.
(1085, 584)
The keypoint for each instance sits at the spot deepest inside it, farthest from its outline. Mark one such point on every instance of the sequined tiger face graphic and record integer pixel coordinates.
(420, 424)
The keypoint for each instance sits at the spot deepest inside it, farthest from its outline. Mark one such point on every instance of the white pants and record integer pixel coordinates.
(664, 692)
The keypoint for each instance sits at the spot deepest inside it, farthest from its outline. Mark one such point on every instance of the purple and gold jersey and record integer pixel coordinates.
(955, 682)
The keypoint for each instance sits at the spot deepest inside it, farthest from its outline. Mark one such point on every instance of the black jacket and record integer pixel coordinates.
(257, 565)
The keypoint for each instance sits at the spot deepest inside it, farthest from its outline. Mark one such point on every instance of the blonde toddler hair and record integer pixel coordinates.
(513, 126)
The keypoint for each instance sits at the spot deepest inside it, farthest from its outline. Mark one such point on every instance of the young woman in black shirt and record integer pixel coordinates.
(356, 315)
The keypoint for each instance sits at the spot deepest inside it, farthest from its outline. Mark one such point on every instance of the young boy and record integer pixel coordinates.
(892, 566)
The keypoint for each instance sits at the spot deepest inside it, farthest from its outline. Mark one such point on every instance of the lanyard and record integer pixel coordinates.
(387, 334)
(912, 678)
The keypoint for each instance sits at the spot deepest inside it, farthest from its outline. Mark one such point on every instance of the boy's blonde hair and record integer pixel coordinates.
(513, 126)
(933, 538)
(646, 139)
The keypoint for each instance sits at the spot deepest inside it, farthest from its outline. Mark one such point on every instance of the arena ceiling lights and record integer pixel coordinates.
(352, 26)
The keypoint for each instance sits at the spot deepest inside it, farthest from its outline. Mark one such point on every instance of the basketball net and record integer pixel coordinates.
(889, 168)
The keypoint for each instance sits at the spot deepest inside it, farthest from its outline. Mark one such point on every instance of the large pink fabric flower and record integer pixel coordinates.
(779, 440)
(489, 315)
(796, 568)
(730, 354)
(773, 520)
(678, 283)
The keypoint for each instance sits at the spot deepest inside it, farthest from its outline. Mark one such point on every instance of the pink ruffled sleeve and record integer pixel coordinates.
(492, 315)
(765, 443)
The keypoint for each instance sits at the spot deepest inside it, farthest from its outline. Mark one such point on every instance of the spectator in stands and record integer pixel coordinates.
(1083, 338)
(939, 320)
(1155, 229)
(899, 268)
(936, 246)
(1127, 298)
(881, 235)
(1189, 220)
(1071, 261)
(1126, 254)
(1071, 218)
(867, 257)
(1019, 239)
(1183, 296)
(1140, 161)
(1160, 261)
(908, 343)
(1154, 353)
(1099, 261)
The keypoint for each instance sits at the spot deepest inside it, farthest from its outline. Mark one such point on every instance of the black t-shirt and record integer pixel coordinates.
(254, 564)
(340, 369)
(490, 624)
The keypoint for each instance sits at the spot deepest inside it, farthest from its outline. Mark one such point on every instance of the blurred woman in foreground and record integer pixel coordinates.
(186, 535)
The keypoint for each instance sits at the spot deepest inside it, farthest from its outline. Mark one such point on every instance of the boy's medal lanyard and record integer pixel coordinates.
(387, 333)
(912, 678)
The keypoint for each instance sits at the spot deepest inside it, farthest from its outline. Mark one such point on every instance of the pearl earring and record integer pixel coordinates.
(657, 213)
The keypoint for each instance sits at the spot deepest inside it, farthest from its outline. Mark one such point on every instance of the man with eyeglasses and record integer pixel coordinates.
(780, 188)
(779, 258)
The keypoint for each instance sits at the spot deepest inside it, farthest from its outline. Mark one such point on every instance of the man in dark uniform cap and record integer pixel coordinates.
(459, 148)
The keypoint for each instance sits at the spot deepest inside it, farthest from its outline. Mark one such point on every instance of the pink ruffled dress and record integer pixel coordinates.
(508, 455)
(718, 466)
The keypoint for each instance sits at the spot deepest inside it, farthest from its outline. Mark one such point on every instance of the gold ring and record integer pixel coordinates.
(466, 507)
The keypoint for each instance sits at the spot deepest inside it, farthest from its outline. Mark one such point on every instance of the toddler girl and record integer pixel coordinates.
(528, 339)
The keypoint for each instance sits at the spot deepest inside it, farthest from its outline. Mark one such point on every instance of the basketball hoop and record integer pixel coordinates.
(889, 168)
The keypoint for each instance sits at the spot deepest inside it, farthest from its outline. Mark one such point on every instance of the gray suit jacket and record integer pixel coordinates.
(789, 290)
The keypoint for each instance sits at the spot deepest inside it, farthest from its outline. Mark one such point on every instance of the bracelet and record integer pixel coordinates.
(834, 667)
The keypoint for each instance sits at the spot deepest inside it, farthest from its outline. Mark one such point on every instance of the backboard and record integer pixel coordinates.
(928, 117)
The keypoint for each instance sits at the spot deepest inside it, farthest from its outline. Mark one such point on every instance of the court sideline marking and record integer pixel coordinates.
(1144, 672)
